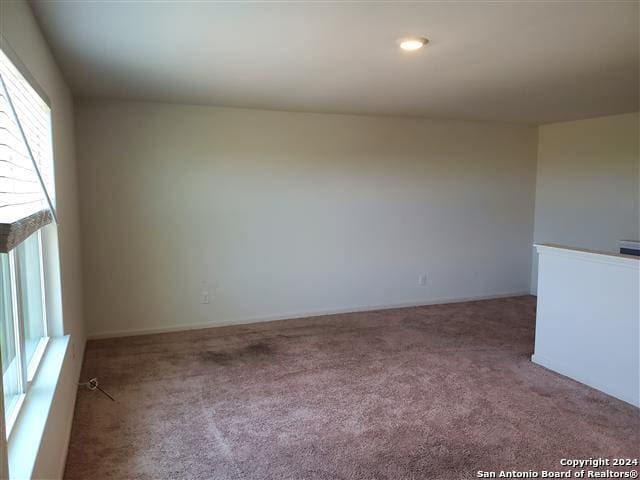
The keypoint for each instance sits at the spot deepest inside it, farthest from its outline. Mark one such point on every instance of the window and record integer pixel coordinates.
(24, 324)
(26, 208)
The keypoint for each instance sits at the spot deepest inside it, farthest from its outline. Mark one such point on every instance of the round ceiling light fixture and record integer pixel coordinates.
(411, 44)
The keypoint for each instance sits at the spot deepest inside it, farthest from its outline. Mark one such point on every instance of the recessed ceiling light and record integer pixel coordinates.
(411, 44)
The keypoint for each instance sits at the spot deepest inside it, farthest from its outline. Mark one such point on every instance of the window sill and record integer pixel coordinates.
(26, 435)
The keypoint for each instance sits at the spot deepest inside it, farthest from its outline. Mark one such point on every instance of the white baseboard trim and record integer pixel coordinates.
(566, 371)
(290, 316)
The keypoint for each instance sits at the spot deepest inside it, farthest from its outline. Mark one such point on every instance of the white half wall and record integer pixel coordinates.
(278, 214)
(588, 319)
(587, 191)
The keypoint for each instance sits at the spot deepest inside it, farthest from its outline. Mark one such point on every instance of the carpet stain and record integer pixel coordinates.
(251, 351)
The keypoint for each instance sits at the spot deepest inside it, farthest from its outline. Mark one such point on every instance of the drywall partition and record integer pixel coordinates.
(588, 319)
(196, 216)
(20, 30)
(587, 188)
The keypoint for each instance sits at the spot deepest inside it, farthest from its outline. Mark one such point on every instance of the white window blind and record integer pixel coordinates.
(21, 192)
(27, 196)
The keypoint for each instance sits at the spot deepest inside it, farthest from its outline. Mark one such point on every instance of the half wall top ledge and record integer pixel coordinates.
(586, 254)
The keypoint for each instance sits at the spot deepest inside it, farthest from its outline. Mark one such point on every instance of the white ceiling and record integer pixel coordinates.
(532, 62)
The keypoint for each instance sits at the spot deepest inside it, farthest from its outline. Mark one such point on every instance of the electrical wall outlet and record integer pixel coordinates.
(422, 279)
(204, 288)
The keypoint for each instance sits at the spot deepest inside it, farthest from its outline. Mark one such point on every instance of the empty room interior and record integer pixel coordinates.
(317, 240)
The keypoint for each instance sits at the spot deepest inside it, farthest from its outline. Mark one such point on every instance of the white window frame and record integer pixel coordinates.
(26, 373)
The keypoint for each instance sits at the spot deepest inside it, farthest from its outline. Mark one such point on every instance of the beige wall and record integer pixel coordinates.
(20, 30)
(587, 189)
(280, 214)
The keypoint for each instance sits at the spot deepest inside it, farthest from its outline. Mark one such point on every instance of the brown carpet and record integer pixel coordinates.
(434, 392)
